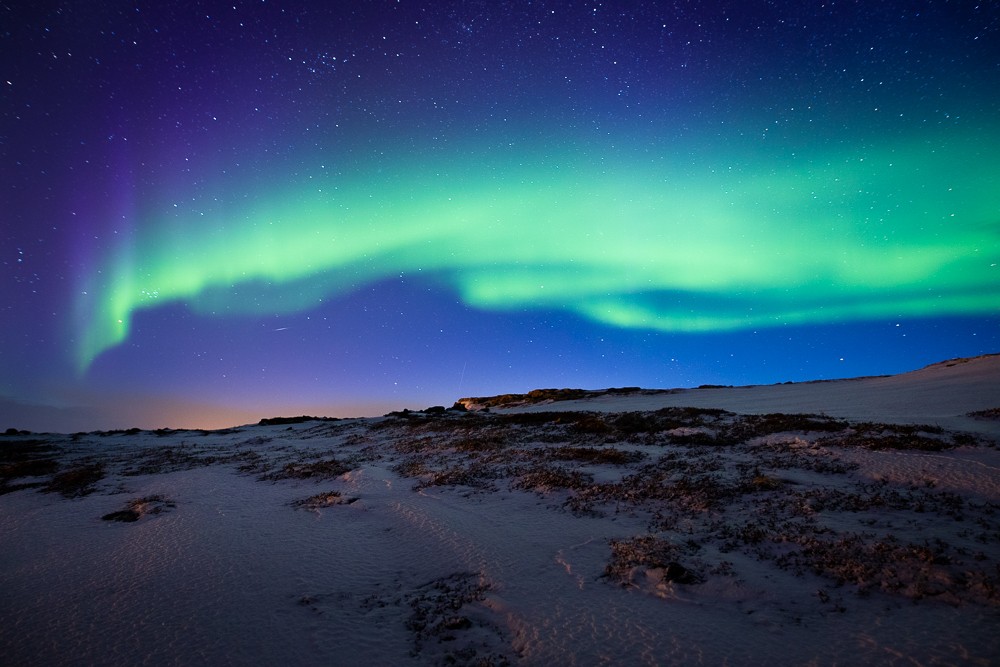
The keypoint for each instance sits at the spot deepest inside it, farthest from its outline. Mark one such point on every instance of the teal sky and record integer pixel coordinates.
(905, 228)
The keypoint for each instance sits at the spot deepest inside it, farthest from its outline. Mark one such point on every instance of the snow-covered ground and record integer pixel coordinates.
(636, 529)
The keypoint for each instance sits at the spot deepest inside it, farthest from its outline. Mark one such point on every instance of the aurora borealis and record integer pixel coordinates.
(267, 207)
(653, 250)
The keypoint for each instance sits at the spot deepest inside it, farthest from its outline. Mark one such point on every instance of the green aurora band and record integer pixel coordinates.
(902, 231)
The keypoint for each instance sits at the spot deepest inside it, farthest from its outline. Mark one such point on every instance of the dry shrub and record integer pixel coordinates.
(477, 475)
(595, 455)
(545, 478)
(157, 460)
(325, 499)
(888, 565)
(30, 468)
(326, 468)
(280, 421)
(76, 482)
(647, 552)
(140, 507)
(481, 442)
(633, 423)
(25, 458)
(875, 436)
(591, 425)
(755, 426)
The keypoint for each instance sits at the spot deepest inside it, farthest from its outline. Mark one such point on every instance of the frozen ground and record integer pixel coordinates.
(676, 528)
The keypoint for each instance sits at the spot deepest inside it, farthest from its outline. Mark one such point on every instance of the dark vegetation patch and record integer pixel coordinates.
(537, 419)
(479, 475)
(760, 482)
(164, 459)
(875, 436)
(482, 441)
(445, 618)
(549, 478)
(678, 484)
(632, 423)
(440, 616)
(446, 623)
(889, 565)
(755, 426)
(324, 499)
(540, 395)
(252, 462)
(140, 507)
(322, 469)
(595, 455)
(29, 468)
(592, 424)
(805, 531)
(665, 419)
(25, 458)
(633, 558)
(879, 496)
(411, 467)
(280, 421)
(533, 396)
(75, 482)
(14, 451)
(446, 421)
(117, 431)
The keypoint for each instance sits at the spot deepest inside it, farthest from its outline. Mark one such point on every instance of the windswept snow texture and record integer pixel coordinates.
(631, 534)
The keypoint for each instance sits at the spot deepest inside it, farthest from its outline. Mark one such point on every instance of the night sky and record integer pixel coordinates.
(215, 212)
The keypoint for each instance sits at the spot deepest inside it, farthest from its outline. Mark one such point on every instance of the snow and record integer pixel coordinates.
(485, 540)
(942, 394)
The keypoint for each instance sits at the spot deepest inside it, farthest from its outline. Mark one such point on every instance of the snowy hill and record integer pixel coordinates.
(845, 522)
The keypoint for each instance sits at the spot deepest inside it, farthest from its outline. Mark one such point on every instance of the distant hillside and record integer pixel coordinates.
(541, 395)
(537, 396)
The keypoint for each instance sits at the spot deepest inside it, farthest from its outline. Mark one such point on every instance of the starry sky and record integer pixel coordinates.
(213, 212)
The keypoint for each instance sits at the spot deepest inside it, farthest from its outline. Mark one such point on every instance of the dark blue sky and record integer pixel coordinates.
(213, 212)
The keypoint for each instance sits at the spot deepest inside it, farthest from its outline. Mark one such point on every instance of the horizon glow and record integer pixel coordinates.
(902, 229)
